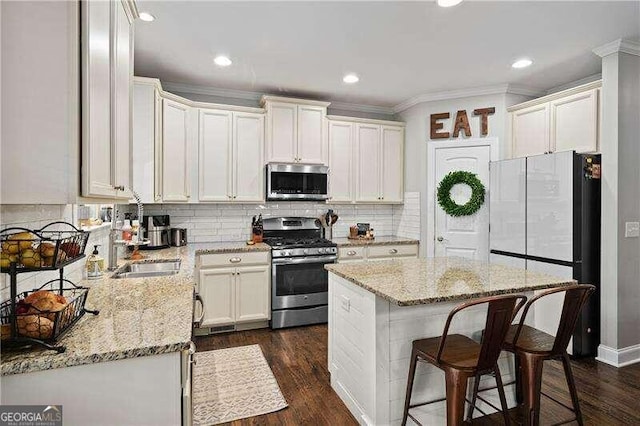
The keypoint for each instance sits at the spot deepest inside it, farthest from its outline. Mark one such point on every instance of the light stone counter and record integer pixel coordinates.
(377, 241)
(408, 282)
(138, 316)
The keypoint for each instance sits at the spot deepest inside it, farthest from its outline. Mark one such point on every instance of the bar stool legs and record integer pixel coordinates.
(412, 374)
(456, 385)
(531, 374)
(572, 388)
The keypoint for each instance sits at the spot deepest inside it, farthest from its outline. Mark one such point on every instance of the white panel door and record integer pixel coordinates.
(175, 178)
(253, 289)
(574, 122)
(97, 171)
(123, 82)
(368, 162)
(550, 206)
(248, 168)
(547, 311)
(340, 161)
(215, 156)
(312, 140)
(465, 236)
(282, 132)
(392, 175)
(217, 288)
(530, 130)
(507, 205)
(514, 262)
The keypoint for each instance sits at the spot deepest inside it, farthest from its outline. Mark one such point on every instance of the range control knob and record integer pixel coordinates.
(305, 251)
(321, 250)
(285, 253)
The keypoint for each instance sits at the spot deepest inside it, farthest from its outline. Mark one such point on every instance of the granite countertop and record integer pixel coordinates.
(407, 282)
(378, 241)
(138, 316)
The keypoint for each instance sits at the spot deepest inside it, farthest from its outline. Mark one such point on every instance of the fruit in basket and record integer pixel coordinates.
(35, 326)
(24, 239)
(46, 249)
(22, 307)
(6, 259)
(30, 259)
(5, 331)
(70, 248)
(48, 309)
(11, 247)
(38, 295)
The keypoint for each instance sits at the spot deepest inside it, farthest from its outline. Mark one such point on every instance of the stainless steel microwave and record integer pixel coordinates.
(297, 182)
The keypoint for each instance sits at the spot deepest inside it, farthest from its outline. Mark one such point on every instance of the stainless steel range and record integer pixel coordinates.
(299, 282)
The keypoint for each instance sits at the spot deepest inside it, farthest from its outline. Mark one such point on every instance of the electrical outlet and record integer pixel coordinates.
(632, 229)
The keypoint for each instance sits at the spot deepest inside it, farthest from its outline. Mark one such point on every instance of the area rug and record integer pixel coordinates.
(231, 384)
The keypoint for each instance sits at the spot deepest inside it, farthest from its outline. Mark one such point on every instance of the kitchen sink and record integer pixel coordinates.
(156, 268)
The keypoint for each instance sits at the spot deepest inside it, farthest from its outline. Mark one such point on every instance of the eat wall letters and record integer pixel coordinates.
(461, 123)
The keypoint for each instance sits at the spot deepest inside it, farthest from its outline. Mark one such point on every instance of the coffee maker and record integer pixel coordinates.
(156, 230)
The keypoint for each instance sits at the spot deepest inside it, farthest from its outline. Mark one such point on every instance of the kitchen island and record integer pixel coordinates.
(377, 309)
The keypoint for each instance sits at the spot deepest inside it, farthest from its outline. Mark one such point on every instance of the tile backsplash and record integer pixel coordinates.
(225, 222)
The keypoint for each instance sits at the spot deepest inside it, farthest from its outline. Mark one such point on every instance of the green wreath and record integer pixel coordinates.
(450, 206)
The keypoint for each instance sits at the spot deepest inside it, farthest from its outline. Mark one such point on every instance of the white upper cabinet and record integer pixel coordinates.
(231, 165)
(107, 62)
(215, 155)
(574, 122)
(296, 131)
(392, 174)
(368, 162)
(341, 161)
(146, 139)
(175, 151)
(563, 121)
(531, 131)
(312, 145)
(248, 164)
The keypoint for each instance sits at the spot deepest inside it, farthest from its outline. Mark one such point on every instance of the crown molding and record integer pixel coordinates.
(372, 109)
(273, 98)
(631, 47)
(557, 95)
(212, 91)
(498, 89)
(365, 120)
(575, 83)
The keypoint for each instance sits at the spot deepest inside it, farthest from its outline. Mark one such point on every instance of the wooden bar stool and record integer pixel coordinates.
(532, 347)
(461, 358)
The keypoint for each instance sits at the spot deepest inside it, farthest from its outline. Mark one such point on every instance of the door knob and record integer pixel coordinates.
(440, 239)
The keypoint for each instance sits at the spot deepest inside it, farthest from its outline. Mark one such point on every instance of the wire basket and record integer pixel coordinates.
(52, 247)
(44, 314)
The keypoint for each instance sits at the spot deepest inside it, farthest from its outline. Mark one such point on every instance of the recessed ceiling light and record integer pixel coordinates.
(448, 3)
(522, 63)
(350, 78)
(147, 17)
(222, 61)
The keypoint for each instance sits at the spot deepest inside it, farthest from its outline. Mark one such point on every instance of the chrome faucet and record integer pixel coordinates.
(114, 233)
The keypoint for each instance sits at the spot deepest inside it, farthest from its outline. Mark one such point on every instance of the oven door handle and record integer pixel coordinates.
(198, 322)
(314, 259)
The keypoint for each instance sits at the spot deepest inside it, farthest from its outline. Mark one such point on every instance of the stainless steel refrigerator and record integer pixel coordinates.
(545, 216)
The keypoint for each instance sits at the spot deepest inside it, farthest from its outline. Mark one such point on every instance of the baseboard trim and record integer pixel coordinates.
(619, 357)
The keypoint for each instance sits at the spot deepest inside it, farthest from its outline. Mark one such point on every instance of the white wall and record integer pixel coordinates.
(620, 275)
(417, 136)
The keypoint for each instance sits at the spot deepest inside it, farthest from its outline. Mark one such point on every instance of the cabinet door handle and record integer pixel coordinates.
(119, 187)
(235, 260)
(351, 253)
(393, 251)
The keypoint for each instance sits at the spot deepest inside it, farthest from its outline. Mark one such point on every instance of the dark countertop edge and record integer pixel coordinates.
(35, 365)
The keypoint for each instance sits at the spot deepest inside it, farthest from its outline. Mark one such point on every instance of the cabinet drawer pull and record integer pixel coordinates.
(351, 253)
(393, 251)
(235, 260)
(119, 187)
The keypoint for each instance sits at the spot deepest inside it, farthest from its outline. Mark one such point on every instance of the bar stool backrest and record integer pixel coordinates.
(500, 313)
(574, 299)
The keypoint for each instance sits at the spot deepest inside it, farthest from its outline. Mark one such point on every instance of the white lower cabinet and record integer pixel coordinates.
(376, 252)
(235, 294)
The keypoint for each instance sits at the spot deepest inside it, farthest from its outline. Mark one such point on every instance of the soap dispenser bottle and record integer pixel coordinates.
(95, 265)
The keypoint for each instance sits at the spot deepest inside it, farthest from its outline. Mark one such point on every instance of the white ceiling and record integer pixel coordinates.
(399, 49)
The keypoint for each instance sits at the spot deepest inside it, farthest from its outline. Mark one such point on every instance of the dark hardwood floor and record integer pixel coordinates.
(298, 358)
